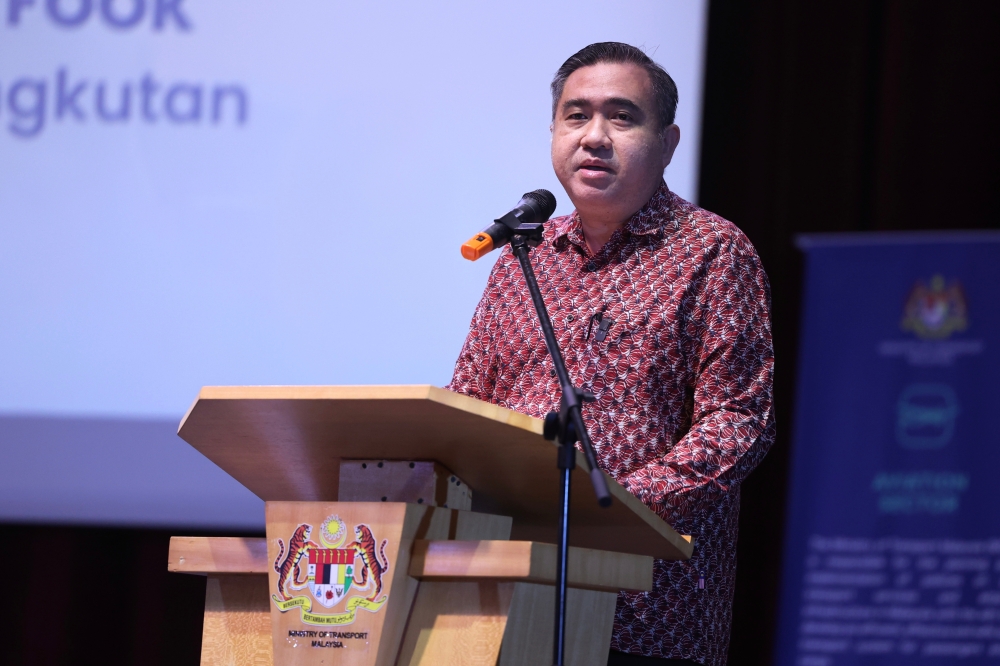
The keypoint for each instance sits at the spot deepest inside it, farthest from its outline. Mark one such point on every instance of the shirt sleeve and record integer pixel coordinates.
(727, 340)
(476, 370)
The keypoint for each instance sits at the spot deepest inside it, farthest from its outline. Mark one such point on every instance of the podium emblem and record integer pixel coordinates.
(331, 572)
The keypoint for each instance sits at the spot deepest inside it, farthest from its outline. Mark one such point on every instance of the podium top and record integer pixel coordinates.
(285, 443)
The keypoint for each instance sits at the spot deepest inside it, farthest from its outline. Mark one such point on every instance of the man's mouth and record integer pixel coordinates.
(595, 167)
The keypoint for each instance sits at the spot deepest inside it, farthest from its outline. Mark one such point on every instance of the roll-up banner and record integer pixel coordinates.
(892, 549)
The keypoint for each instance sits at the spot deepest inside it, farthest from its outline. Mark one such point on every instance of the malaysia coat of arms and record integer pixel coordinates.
(935, 309)
(330, 571)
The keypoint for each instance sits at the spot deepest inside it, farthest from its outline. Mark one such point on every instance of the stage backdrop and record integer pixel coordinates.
(892, 553)
(204, 192)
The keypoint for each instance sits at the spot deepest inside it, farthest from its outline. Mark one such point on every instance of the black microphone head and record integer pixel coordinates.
(543, 201)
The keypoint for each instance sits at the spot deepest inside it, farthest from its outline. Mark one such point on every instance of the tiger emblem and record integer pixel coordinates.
(287, 564)
(373, 565)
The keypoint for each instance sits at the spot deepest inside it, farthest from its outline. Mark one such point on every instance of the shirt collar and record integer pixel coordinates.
(655, 216)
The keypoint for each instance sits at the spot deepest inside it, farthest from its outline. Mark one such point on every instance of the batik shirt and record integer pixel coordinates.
(668, 326)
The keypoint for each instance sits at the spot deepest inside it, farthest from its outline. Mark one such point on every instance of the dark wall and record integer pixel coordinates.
(824, 117)
(81, 596)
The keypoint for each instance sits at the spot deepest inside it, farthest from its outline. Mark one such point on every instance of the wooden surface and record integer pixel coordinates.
(438, 615)
(457, 624)
(285, 442)
(420, 482)
(452, 623)
(237, 626)
(528, 561)
(443, 559)
(528, 639)
(217, 555)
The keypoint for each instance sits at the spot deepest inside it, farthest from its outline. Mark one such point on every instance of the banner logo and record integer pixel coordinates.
(331, 573)
(926, 416)
(934, 310)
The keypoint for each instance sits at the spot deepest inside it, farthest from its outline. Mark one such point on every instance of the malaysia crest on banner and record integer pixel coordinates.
(331, 571)
(935, 309)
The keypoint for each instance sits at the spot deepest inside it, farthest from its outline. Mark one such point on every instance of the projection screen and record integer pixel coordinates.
(257, 192)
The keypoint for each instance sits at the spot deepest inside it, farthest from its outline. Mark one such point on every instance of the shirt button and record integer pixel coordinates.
(552, 372)
(571, 317)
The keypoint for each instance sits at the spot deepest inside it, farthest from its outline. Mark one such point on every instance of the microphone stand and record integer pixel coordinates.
(566, 425)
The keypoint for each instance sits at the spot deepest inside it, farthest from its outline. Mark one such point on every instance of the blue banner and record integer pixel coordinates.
(892, 550)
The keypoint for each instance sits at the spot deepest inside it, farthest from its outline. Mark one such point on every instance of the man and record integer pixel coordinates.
(661, 310)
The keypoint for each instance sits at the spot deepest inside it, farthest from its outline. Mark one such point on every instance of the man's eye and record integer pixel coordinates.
(621, 115)
(576, 116)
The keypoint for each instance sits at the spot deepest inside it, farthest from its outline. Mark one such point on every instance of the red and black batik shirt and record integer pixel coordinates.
(668, 325)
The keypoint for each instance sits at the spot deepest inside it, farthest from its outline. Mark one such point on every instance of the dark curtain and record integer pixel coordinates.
(817, 117)
(822, 117)
(100, 596)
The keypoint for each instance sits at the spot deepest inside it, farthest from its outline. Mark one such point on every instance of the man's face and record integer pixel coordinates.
(608, 150)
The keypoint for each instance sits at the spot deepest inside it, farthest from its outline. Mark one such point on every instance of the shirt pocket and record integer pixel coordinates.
(615, 342)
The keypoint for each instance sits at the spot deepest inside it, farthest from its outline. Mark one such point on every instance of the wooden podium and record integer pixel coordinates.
(406, 525)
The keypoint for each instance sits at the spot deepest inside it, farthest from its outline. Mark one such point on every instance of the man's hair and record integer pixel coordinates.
(664, 88)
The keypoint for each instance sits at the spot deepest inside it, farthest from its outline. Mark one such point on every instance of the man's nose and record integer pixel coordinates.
(596, 136)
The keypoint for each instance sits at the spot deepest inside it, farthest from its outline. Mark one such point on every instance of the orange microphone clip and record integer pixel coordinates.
(478, 246)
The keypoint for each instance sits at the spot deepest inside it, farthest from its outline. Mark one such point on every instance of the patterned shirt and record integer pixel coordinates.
(668, 326)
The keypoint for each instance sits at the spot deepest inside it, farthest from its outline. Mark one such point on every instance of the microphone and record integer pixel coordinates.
(527, 217)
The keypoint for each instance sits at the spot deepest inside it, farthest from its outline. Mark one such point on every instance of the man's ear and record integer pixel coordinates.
(671, 136)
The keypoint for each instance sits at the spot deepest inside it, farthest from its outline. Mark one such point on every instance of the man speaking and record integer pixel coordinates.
(661, 310)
